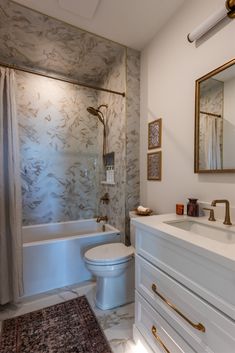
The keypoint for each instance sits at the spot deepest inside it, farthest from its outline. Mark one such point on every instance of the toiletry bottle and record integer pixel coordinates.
(192, 208)
(108, 174)
(112, 174)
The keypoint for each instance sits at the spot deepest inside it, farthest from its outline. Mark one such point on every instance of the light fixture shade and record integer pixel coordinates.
(210, 22)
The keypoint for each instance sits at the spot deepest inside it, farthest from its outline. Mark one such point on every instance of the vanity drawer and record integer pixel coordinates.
(205, 277)
(156, 331)
(185, 311)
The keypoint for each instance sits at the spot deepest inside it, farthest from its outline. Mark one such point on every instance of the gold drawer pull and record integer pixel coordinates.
(154, 332)
(198, 326)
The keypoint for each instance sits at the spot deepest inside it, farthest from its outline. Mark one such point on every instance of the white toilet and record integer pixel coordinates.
(113, 266)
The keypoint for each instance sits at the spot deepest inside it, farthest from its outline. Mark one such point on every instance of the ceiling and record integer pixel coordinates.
(130, 22)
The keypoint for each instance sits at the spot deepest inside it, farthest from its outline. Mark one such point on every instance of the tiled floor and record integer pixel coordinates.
(117, 324)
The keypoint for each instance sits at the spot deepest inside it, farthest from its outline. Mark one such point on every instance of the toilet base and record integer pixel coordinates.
(112, 292)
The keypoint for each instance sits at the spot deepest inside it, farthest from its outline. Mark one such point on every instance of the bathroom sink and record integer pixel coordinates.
(209, 231)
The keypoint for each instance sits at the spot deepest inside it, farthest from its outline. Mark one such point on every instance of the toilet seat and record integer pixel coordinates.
(109, 254)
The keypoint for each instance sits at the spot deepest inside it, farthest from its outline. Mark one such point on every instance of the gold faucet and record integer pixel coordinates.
(227, 220)
(102, 218)
(212, 215)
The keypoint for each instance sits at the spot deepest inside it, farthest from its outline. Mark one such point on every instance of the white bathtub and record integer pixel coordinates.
(53, 253)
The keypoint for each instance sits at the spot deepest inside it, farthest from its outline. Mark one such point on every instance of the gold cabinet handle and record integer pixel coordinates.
(198, 326)
(154, 332)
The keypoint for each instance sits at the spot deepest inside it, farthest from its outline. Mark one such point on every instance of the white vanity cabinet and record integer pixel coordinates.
(174, 311)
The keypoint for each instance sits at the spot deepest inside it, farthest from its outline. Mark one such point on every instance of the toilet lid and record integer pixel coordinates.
(107, 253)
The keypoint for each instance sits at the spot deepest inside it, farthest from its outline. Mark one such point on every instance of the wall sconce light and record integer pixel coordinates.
(210, 22)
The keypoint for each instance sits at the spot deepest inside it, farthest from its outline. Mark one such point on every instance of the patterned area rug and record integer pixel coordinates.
(68, 327)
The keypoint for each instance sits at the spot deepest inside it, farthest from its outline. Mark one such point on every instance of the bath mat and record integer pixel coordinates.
(68, 327)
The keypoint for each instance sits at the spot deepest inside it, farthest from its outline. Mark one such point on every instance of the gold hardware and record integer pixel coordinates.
(102, 218)
(227, 220)
(212, 215)
(211, 114)
(198, 326)
(105, 199)
(197, 168)
(154, 332)
(60, 78)
(230, 5)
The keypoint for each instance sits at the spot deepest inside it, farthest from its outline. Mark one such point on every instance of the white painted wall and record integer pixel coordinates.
(229, 124)
(170, 66)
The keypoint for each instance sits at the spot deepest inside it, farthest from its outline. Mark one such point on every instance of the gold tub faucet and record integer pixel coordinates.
(102, 218)
(227, 220)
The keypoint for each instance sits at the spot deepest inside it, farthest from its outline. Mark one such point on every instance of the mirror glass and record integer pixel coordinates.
(215, 121)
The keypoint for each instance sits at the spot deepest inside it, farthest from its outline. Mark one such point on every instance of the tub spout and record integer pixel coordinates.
(102, 218)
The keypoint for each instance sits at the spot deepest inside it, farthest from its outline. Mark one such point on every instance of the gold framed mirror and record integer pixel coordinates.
(214, 146)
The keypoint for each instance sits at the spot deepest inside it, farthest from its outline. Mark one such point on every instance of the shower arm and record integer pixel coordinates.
(101, 117)
(104, 142)
(102, 105)
(104, 134)
(97, 112)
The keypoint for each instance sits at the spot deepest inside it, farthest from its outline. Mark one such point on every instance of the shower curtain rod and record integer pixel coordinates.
(211, 114)
(74, 82)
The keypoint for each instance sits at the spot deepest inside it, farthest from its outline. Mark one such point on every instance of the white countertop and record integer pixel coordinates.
(222, 252)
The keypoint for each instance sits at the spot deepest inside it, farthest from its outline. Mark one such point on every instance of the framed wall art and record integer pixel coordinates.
(154, 166)
(155, 134)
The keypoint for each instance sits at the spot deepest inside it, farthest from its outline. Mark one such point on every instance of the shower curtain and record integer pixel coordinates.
(210, 142)
(11, 281)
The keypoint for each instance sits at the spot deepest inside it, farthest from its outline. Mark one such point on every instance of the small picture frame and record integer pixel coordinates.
(154, 166)
(155, 134)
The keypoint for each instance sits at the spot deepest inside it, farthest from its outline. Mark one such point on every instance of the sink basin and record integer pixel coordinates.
(208, 231)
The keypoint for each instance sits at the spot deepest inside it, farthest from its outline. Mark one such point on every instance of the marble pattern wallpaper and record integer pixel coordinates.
(59, 155)
(116, 135)
(61, 143)
(33, 40)
(123, 140)
(132, 134)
